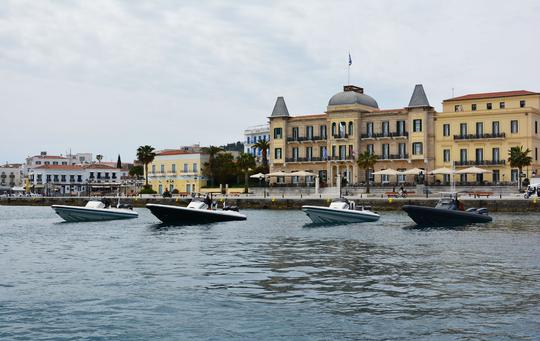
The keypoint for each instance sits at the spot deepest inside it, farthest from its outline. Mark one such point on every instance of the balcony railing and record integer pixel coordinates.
(393, 157)
(481, 163)
(479, 136)
(385, 135)
(305, 138)
(305, 159)
(341, 158)
(341, 136)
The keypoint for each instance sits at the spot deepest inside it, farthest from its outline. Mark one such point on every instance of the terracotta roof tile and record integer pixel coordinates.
(60, 167)
(98, 166)
(493, 95)
(176, 152)
(49, 157)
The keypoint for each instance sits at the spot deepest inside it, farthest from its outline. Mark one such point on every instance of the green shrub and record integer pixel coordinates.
(147, 190)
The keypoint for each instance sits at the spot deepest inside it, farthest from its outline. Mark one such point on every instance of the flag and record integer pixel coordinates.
(350, 60)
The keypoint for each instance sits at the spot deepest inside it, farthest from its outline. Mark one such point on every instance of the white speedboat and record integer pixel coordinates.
(340, 211)
(197, 212)
(94, 211)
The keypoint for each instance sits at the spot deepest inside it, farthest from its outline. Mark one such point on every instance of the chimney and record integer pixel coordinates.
(43, 153)
(353, 88)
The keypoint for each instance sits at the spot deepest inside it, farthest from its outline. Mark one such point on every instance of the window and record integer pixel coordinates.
(446, 129)
(91, 175)
(153, 168)
(417, 148)
(113, 175)
(277, 153)
(295, 133)
(72, 178)
(55, 177)
(342, 152)
(489, 106)
(385, 151)
(479, 128)
(48, 178)
(457, 107)
(495, 154)
(38, 162)
(309, 132)
(323, 153)
(79, 178)
(514, 175)
(351, 128)
(522, 104)
(247, 141)
(501, 105)
(369, 129)
(333, 151)
(446, 155)
(496, 176)
(473, 107)
(495, 128)
(402, 149)
(417, 126)
(333, 128)
(295, 153)
(463, 155)
(186, 168)
(385, 128)
(195, 167)
(309, 153)
(463, 129)
(479, 155)
(160, 189)
(342, 126)
(370, 149)
(173, 168)
(514, 126)
(278, 133)
(400, 127)
(63, 178)
(322, 131)
(162, 168)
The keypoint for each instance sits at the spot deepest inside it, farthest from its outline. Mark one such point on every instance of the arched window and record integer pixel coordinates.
(334, 128)
(350, 128)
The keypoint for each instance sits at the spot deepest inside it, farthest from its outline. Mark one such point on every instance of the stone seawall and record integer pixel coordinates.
(378, 204)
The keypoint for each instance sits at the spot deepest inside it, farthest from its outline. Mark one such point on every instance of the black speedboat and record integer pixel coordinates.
(197, 212)
(448, 212)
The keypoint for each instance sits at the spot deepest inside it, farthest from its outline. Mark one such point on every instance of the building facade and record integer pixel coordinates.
(253, 135)
(177, 169)
(479, 130)
(66, 179)
(327, 144)
(10, 176)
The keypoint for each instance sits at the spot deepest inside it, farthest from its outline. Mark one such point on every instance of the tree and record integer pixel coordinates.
(137, 171)
(145, 155)
(225, 168)
(245, 162)
(209, 168)
(263, 145)
(99, 157)
(119, 162)
(366, 161)
(519, 158)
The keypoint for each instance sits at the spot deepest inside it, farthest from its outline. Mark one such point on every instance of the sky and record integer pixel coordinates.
(106, 76)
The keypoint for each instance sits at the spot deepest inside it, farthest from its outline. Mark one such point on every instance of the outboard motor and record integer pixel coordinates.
(471, 210)
(106, 202)
(482, 210)
(230, 208)
(126, 206)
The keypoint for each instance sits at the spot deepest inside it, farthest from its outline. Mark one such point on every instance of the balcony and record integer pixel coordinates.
(393, 157)
(341, 136)
(341, 158)
(305, 159)
(388, 135)
(479, 136)
(305, 138)
(480, 163)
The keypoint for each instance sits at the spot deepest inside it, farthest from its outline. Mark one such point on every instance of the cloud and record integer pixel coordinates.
(183, 72)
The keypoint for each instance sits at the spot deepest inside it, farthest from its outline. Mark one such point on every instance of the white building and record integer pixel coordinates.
(64, 179)
(253, 135)
(10, 176)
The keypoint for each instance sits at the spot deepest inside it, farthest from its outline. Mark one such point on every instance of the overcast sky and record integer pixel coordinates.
(107, 76)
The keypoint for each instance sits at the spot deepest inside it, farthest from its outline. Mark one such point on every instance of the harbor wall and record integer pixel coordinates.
(378, 204)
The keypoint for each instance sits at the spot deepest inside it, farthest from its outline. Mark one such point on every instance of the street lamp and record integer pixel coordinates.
(426, 179)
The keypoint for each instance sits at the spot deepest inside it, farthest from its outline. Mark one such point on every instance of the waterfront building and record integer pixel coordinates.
(326, 144)
(479, 130)
(254, 134)
(177, 169)
(11, 176)
(64, 179)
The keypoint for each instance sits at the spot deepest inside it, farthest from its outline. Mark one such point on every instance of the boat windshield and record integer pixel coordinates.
(95, 204)
(340, 203)
(197, 204)
(447, 203)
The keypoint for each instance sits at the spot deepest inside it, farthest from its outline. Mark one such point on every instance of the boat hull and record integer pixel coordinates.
(440, 217)
(183, 216)
(326, 215)
(79, 214)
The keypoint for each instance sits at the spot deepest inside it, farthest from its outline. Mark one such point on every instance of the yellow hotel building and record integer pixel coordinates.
(177, 169)
(479, 129)
(326, 144)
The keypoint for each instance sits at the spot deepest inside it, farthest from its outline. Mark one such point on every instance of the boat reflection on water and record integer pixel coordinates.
(448, 212)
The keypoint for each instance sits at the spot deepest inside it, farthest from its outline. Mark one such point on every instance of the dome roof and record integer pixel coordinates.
(349, 97)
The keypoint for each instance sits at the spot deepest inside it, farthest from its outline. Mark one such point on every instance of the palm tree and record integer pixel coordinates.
(245, 162)
(99, 157)
(263, 145)
(145, 155)
(209, 167)
(519, 158)
(366, 161)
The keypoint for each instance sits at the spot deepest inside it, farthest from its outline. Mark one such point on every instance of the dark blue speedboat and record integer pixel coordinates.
(448, 212)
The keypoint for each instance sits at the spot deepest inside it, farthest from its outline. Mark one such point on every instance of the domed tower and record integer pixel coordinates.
(352, 96)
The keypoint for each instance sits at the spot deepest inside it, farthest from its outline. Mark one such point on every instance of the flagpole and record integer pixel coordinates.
(349, 70)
